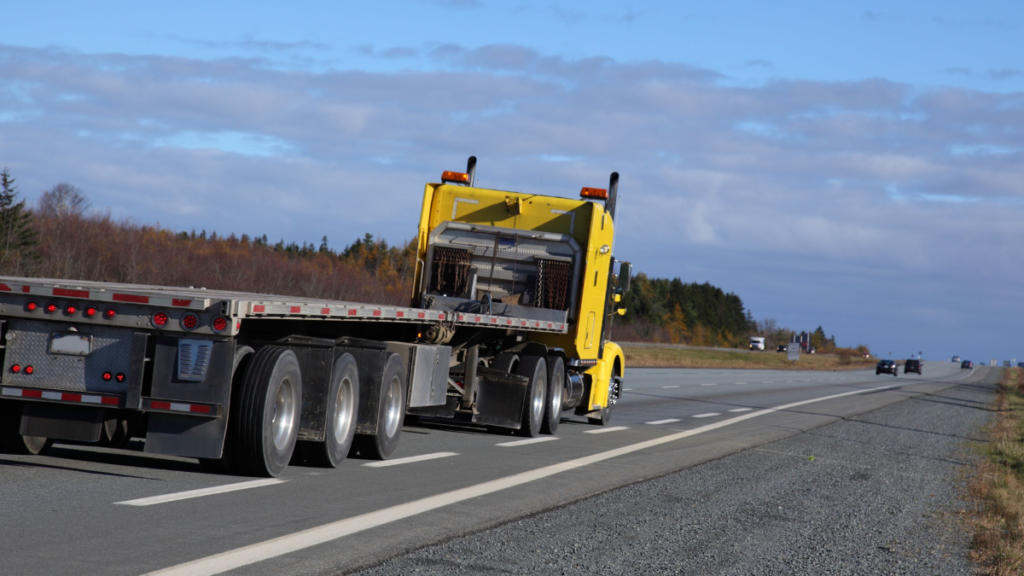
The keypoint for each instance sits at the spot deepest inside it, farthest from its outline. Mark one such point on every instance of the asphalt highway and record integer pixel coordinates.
(84, 510)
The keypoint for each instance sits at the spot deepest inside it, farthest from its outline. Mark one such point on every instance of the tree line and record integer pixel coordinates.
(60, 237)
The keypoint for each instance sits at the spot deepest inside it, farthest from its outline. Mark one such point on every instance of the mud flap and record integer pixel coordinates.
(499, 398)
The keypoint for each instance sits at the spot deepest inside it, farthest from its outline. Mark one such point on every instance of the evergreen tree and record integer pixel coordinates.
(18, 240)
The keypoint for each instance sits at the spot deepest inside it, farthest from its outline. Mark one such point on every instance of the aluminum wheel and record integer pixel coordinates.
(346, 408)
(537, 403)
(393, 401)
(283, 416)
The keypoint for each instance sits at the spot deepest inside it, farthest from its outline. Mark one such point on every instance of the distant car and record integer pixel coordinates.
(981, 363)
(812, 350)
(781, 348)
(956, 359)
(912, 366)
(967, 364)
(887, 367)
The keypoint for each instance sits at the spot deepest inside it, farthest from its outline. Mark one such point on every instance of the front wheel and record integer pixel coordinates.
(267, 418)
(605, 415)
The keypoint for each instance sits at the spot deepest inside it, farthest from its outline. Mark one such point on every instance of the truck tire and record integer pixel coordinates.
(390, 414)
(605, 415)
(555, 395)
(536, 369)
(266, 419)
(342, 405)
(11, 440)
(505, 362)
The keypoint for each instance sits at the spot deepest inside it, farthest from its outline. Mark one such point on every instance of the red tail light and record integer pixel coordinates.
(189, 321)
(71, 309)
(51, 308)
(160, 319)
(31, 306)
(16, 368)
(109, 314)
(29, 369)
(120, 377)
(220, 323)
(89, 312)
(107, 376)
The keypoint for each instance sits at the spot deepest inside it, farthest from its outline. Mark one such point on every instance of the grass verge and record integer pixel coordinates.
(687, 358)
(998, 485)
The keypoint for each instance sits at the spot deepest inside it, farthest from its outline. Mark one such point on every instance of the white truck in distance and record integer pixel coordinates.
(757, 343)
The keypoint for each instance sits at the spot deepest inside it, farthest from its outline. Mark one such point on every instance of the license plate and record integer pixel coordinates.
(71, 344)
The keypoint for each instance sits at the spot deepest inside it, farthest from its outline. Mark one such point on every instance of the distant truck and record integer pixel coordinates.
(757, 343)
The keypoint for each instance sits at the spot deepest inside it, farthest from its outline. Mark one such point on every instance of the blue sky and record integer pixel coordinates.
(855, 165)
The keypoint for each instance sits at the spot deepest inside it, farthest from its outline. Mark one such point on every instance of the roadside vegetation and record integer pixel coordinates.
(675, 357)
(998, 485)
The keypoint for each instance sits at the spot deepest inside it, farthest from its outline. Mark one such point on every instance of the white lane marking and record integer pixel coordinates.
(627, 389)
(200, 492)
(670, 386)
(246, 555)
(666, 421)
(528, 441)
(708, 415)
(603, 430)
(738, 383)
(741, 410)
(410, 459)
(711, 384)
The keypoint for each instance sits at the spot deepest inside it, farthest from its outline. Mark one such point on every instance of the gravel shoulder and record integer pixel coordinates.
(881, 495)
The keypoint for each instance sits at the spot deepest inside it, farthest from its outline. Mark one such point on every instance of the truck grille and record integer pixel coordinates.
(451, 270)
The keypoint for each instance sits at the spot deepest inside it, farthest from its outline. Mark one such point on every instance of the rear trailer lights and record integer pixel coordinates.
(31, 306)
(51, 308)
(110, 313)
(71, 309)
(220, 324)
(119, 377)
(16, 368)
(107, 376)
(89, 312)
(189, 321)
(29, 370)
(160, 319)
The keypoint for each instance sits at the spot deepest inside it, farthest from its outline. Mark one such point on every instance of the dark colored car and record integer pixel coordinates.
(967, 364)
(912, 366)
(781, 348)
(887, 367)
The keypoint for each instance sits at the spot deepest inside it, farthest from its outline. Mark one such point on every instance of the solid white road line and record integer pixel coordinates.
(741, 410)
(627, 389)
(670, 386)
(738, 383)
(708, 415)
(410, 459)
(201, 492)
(603, 430)
(528, 441)
(666, 421)
(711, 384)
(239, 557)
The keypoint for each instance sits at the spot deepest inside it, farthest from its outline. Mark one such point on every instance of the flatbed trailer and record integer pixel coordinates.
(249, 382)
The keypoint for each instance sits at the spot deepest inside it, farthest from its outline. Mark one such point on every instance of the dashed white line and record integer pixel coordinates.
(739, 383)
(665, 421)
(670, 386)
(527, 441)
(289, 543)
(711, 384)
(708, 415)
(410, 459)
(603, 430)
(200, 492)
(627, 389)
(741, 410)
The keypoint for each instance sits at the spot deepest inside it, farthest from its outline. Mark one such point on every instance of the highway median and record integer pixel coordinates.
(666, 356)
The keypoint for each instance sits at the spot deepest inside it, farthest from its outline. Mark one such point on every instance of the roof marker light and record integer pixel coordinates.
(598, 193)
(460, 177)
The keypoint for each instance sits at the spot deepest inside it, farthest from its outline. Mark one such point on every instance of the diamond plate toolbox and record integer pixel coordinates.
(28, 344)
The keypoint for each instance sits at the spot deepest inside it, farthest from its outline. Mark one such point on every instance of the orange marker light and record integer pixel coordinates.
(449, 176)
(598, 193)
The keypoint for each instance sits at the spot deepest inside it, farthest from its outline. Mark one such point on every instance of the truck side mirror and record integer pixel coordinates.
(625, 273)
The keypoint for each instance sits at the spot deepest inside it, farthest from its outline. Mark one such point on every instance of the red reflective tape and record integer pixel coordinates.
(352, 312)
(5, 287)
(296, 309)
(536, 324)
(399, 314)
(477, 319)
(462, 317)
(509, 322)
(524, 322)
(422, 314)
(109, 401)
(70, 293)
(67, 397)
(198, 408)
(376, 312)
(31, 394)
(440, 316)
(325, 310)
(26, 289)
(130, 298)
(180, 302)
(549, 324)
(157, 405)
(258, 308)
(494, 320)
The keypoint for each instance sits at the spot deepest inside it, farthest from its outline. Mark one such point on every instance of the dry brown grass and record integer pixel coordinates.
(998, 486)
(639, 356)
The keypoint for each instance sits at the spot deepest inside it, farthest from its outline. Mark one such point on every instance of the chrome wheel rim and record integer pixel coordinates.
(393, 402)
(538, 398)
(557, 393)
(344, 407)
(282, 419)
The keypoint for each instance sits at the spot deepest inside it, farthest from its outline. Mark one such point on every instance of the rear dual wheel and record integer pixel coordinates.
(536, 369)
(342, 405)
(555, 395)
(390, 414)
(266, 421)
(11, 440)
